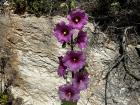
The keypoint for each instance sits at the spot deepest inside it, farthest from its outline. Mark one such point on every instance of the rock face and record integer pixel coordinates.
(36, 51)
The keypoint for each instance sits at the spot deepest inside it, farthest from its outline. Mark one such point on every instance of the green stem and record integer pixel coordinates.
(72, 48)
(68, 103)
(72, 43)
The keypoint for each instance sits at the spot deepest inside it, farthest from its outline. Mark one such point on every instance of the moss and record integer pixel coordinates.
(3, 99)
(37, 7)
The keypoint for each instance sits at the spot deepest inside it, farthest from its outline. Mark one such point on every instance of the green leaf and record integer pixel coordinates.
(3, 98)
(63, 4)
(73, 3)
(68, 103)
(64, 45)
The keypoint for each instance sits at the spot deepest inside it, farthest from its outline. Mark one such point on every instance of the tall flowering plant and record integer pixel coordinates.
(73, 62)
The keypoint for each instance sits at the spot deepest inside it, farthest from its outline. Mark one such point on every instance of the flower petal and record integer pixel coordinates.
(77, 18)
(74, 60)
(63, 32)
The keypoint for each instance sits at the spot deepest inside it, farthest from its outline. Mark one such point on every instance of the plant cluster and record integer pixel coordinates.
(3, 99)
(37, 7)
(73, 62)
(4, 84)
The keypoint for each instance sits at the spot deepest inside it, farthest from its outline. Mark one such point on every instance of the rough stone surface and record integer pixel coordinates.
(36, 61)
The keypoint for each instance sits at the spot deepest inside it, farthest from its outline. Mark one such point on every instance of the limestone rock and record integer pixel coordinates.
(36, 60)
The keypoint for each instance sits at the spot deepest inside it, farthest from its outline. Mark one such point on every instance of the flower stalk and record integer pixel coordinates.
(74, 60)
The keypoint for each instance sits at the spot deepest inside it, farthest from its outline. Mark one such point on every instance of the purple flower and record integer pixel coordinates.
(77, 18)
(63, 32)
(61, 69)
(74, 60)
(68, 93)
(81, 80)
(82, 39)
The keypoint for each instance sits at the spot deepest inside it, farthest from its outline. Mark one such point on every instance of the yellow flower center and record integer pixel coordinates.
(76, 20)
(74, 59)
(64, 32)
